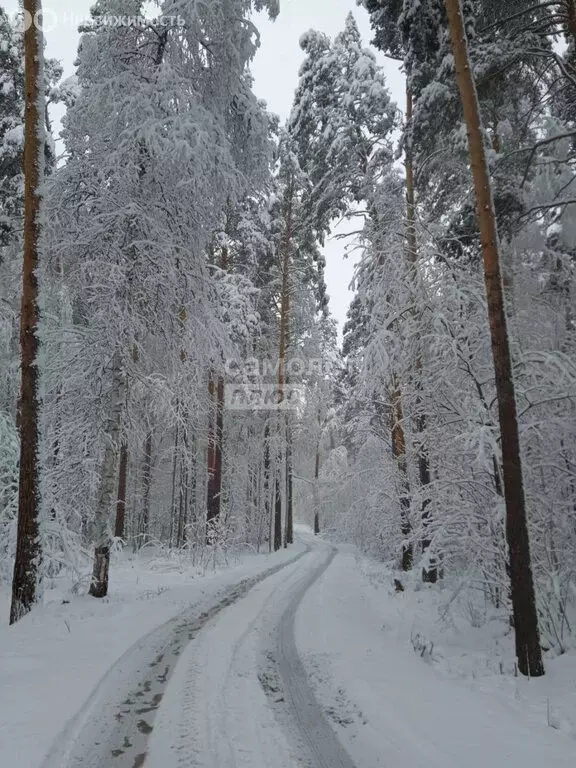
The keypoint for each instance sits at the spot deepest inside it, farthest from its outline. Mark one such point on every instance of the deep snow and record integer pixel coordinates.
(254, 675)
(394, 707)
(54, 662)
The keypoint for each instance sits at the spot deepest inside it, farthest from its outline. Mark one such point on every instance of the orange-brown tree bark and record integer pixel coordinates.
(528, 651)
(27, 542)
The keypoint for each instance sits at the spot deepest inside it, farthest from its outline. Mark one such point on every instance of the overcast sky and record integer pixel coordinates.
(275, 70)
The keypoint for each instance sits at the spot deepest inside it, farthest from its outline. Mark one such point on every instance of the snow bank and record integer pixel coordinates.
(422, 706)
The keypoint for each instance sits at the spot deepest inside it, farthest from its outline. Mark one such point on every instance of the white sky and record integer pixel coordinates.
(275, 71)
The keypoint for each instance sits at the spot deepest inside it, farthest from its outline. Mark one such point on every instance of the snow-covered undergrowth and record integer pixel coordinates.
(405, 685)
(52, 660)
(462, 636)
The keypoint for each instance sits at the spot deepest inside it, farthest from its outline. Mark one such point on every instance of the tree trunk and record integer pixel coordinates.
(216, 438)
(99, 583)
(214, 492)
(174, 468)
(100, 571)
(266, 486)
(316, 499)
(285, 249)
(183, 508)
(289, 535)
(122, 482)
(278, 515)
(27, 543)
(193, 470)
(399, 452)
(528, 651)
(429, 575)
(146, 485)
(411, 242)
(571, 18)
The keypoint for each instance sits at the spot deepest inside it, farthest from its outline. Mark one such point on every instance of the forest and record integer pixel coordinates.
(171, 375)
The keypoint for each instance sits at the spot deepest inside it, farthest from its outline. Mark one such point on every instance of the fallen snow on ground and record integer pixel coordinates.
(52, 661)
(475, 644)
(429, 708)
(215, 711)
(177, 668)
(240, 697)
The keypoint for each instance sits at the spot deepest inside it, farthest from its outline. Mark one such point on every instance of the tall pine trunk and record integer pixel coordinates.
(215, 439)
(289, 533)
(285, 248)
(316, 494)
(187, 485)
(399, 453)
(278, 513)
(266, 487)
(122, 483)
(183, 506)
(173, 520)
(27, 542)
(571, 19)
(146, 486)
(528, 651)
(214, 490)
(428, 574)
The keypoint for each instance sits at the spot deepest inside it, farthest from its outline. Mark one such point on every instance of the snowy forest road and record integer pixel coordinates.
(241, 697)
(322, 742)
(219, 686)
(302, 665)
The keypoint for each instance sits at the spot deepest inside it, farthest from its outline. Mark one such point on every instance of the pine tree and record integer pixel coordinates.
(28, 546)
(135, 241)
(341, 120)
(11, 131)
(215, 433)
(528, 651)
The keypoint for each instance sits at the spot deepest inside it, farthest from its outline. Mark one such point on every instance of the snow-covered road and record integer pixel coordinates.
(313, 727)
(219, 688)
(114, 727)
(292, 668)
(240, 697)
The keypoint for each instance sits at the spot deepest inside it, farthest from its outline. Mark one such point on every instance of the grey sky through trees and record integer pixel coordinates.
(276, 74)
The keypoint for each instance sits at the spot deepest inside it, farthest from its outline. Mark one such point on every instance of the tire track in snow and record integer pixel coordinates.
(222, 710)
(316, 732)
(216, 713)
(117, 735)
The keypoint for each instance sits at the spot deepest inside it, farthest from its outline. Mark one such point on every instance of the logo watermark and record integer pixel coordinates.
(294, 367)
(266, 397)
(272, 384)
(49, 19)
